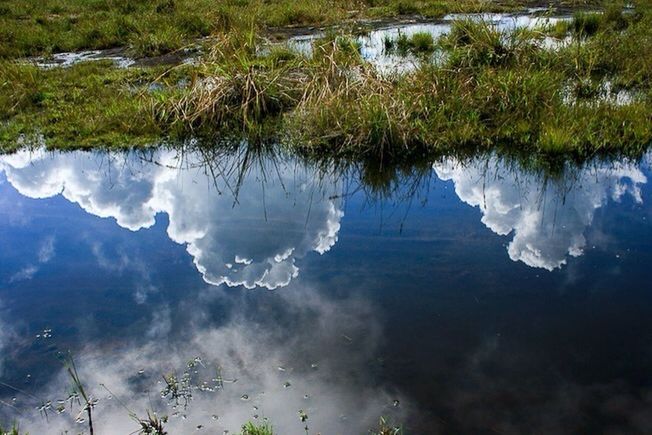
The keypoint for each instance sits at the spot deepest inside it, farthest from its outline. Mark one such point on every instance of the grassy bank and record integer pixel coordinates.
(487, 91)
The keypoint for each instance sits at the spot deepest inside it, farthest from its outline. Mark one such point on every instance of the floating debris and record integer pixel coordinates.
(287, 384)
(244, 397)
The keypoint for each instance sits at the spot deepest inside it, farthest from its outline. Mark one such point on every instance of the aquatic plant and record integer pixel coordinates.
(418, 43)
(11, 430)
(251, 428)
(384, 428)
(79, 392)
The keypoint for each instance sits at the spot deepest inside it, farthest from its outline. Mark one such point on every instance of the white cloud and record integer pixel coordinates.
(282, 212)
(24, 274)
(547, 217)
(309, 367)
(46, 251)
(45, 254)
(6, 336)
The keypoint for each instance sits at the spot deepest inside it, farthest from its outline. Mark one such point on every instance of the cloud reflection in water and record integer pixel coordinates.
(546, 216)
(269, 371)
(234, 237)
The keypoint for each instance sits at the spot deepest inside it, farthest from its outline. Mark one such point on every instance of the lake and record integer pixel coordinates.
(474, 295)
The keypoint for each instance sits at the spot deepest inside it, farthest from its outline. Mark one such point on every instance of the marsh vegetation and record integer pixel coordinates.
(149, 28)
(476, 86)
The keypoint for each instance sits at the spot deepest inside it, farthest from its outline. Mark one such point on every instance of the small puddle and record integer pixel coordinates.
(604, 92)
(372, 45)
(65, 60)
(117, 55)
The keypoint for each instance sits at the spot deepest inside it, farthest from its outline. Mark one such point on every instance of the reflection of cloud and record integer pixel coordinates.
(547, 218)
(120, 262)
(6, 334)
(277, 219)
(45, 254)
(46, 251)
(24, 274)
(279, 370)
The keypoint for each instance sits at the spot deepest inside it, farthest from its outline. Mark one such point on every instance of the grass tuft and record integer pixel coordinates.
(253, 429)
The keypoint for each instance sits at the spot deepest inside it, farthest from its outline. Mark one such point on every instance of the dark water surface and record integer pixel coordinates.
(469, 297)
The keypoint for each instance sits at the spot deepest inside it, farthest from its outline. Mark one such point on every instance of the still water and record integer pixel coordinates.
(373, 45)
(468, 296)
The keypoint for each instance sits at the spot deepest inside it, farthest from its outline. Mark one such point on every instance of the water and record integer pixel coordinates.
(372, 45)
(467, 296)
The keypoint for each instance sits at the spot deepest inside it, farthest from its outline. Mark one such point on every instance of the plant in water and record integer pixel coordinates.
(250, 428)
(586, 23)
(418, 43)
(11, 430)
(78, 389)
(384, 428)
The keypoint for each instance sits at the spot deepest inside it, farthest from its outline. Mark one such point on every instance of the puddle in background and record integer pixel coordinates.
(65, 60)
(372, 45)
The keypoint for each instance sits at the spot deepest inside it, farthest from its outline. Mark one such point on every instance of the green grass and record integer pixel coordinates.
(419, 43)
(251, 428)
(491, 91)
(10, 430)
(154, 27)
(91, 104)
(584, 24)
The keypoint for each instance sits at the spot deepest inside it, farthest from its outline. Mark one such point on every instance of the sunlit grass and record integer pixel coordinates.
(489, 89)
(155, 27)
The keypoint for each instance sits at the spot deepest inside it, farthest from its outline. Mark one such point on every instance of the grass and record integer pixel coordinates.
(253, 429)
(85, 106)
(490, 90)
(418, 44)
(150, 28)
(13, 430)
